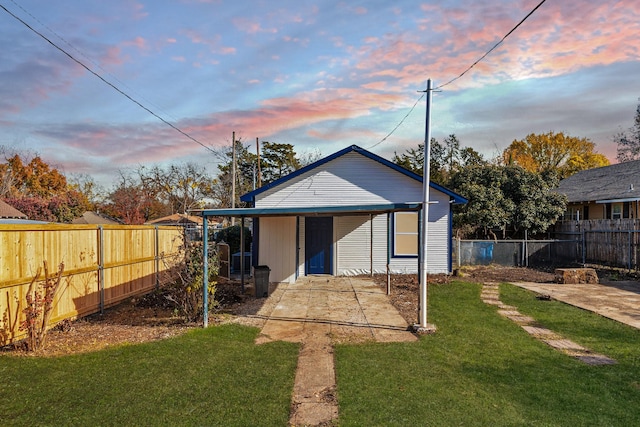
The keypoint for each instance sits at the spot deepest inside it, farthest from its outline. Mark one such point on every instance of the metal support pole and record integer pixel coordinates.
(371, 243)
(205, 271)
(242, 254)
(388, 253)
(425, 211)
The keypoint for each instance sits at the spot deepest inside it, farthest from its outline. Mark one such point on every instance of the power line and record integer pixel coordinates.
(65, 41)
(493, 48)
(108, 82)
(464, 72)
(398, 125)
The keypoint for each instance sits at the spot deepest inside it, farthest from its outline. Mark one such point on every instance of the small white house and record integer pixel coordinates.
(352, 212)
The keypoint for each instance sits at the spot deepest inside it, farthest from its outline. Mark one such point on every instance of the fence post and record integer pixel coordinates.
(157, 257)
(584, 246)
(629, 239)
(101, 266)
(526, 248)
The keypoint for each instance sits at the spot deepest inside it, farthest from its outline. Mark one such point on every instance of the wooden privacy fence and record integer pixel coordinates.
(103, 265)
(614, 243)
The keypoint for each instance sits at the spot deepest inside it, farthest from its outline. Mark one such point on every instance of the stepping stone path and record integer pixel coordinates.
(491, 295)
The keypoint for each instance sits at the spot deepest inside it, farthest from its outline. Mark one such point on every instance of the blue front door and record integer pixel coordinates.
(318, 240)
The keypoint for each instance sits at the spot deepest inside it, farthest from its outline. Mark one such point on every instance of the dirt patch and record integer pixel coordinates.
(405, 290)
(136, 320)
(152, 317)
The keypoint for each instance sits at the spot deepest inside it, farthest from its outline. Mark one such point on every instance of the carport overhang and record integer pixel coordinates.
(310, 211)
(242, 213)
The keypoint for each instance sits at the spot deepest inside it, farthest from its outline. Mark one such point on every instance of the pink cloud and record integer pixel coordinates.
(251, 26)
(360, 10)
(553, 41)
(113, 57)
(213, 43)
(138, 42)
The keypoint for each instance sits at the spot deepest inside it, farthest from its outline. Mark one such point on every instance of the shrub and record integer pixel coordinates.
(39, 303)
(183, 286)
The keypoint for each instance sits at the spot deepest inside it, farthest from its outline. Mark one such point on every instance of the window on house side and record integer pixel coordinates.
(616, 211)
(405, 234)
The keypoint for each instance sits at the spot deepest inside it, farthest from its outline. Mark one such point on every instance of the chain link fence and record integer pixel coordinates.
(516, 253)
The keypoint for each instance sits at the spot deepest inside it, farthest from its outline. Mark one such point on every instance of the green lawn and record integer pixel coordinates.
(212, 377)
(481, 369)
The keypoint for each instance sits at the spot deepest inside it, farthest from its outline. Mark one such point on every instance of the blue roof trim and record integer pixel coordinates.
(251, 197)
(310, 211)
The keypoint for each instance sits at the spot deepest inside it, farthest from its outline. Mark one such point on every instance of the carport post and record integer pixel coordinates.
(388, 253)
(242, 253)
(205, 271)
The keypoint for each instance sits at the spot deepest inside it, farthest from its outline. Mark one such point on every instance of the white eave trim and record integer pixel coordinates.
(630, 199)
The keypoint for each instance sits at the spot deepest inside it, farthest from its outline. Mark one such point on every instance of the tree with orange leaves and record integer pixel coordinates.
(554, 153)
(40, 191)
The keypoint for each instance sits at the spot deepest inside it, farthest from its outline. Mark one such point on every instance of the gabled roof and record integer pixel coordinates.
(250, 197)
(177, 219)
(90, 217)
(619, 182)
(9, 212)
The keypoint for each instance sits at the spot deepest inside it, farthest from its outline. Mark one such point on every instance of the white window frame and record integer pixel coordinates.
(397, 249)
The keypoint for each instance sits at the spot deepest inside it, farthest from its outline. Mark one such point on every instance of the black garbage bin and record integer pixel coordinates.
(261, 280)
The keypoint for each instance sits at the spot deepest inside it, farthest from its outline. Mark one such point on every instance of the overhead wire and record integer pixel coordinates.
(464, 72)
(85, 56)
(113, 86)
(399, 124)
(493, 48)
(209, 148)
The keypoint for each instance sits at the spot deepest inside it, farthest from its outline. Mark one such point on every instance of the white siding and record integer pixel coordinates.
(352, 179)
(347, 180)
(353, 245)
(438, 240)
(277, 247)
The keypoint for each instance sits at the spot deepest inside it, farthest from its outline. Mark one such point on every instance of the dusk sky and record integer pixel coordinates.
(320, 75)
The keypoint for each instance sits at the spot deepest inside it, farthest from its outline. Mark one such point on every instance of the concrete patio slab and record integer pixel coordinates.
(354, 309)
(619, 300)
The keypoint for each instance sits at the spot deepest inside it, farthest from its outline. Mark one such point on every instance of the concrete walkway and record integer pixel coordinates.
(319, 311)
(618, 300)
(491, 295)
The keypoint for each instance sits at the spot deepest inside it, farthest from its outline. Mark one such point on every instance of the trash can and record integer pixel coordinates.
(261, 280)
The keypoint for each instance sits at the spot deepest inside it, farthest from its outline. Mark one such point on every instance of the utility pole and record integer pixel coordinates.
(259, 171)
(422, 326)
(233, 175)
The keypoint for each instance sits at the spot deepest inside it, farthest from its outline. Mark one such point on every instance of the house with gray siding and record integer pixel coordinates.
(350, 213)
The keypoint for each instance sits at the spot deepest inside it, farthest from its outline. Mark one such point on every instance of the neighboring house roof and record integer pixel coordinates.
(250, 197)
(177, 219)
(615, 183)
(90, 217)
(9, 212)
(15, 221)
